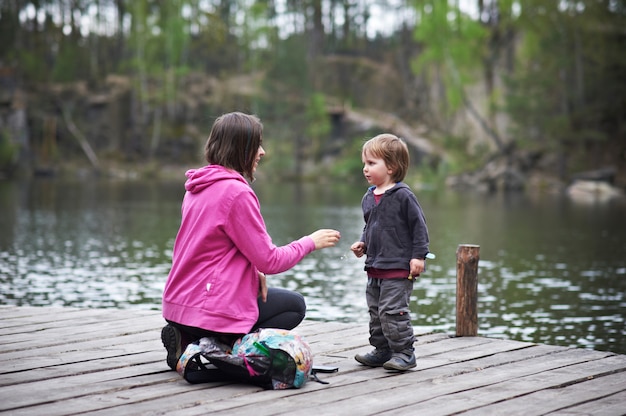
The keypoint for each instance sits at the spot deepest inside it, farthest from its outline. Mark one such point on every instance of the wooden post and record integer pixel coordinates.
(467, 256)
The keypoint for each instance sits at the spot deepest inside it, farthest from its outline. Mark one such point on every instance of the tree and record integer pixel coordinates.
(454, 49)
(568, 89)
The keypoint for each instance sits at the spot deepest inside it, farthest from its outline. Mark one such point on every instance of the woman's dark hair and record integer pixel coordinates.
(234, 142)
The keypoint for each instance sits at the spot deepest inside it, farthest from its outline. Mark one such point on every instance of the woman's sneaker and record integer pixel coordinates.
(375, 358)
(401, 361)
(171, 338)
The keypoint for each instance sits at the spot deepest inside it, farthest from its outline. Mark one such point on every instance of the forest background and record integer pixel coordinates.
(500, 94)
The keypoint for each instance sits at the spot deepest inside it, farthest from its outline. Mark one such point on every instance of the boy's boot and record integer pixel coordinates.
(401, 361)
(375, 358)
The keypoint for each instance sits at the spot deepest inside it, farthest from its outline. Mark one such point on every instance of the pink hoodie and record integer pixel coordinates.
(221, 243)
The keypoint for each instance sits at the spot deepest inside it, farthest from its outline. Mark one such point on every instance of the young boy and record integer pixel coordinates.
(395, 240)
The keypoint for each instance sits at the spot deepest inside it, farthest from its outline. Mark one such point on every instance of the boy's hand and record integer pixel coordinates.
(358, 248)
(417, 267)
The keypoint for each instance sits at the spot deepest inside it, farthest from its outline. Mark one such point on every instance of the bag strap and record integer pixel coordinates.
(321, 369)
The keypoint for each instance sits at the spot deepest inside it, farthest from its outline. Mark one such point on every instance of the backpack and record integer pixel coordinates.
(274, 359)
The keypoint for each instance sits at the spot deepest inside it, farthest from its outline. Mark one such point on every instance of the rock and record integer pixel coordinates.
(497, 175)
(588, 191)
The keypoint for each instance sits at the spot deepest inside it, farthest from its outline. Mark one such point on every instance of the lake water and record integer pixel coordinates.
(551, 270)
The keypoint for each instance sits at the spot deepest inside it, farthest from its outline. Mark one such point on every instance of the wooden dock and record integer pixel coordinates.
(64, 361)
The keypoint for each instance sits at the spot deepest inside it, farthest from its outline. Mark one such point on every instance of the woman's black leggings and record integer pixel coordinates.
(284, 309)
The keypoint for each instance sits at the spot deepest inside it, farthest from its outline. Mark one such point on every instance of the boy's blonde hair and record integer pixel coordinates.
(392, 150)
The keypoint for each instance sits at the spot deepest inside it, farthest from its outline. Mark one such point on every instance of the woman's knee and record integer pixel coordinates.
(287, 299)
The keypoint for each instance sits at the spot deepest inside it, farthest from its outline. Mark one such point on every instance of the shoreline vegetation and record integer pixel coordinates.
(587, 187)
(491, 101)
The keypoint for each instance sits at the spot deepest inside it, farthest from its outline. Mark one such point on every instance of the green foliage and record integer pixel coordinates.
(289, 65)
(317, 122)
(317, 115)
(564, 84)
(31, 65)
(350, 165)
(454, 46)
(459, 159)
(8, 153)
(567, 89)
(428, 176)
(68, 64)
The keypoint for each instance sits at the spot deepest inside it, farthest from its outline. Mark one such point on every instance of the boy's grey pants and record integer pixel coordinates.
(390, 320)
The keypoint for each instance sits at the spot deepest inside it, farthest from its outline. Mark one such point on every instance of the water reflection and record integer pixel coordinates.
(84, 244)
(550, 271)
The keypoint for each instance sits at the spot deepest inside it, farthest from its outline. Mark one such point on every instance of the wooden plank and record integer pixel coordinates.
(102, 377)
(69, 369)
(607, 406)
(58, 319)
(138, 399)
(85, 383)
(496, 388)
(17, 312)
(77, 352)
(76, 333)
(411, 390)
(95, 328)
(560, 397)
(367, 391)
(46, 315)
(429, 354)
(120, 369)
(352, 363)
(261, 403)
(177, 403)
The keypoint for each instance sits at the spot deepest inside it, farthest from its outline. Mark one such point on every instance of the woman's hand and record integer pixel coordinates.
(358, 248)
(262, 287)
(325, 238)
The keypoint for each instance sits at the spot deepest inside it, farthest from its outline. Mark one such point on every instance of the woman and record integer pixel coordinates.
(217, 285)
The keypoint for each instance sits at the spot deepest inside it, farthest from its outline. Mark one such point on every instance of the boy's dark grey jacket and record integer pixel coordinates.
(395, 230)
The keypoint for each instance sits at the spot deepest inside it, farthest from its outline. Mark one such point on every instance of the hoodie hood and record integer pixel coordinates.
(199, 179)
(395, 188)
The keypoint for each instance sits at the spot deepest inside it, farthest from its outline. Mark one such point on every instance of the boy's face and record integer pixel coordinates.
(375, 170)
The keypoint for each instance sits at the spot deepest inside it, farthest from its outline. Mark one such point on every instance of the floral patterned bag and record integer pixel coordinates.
(274, 359)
